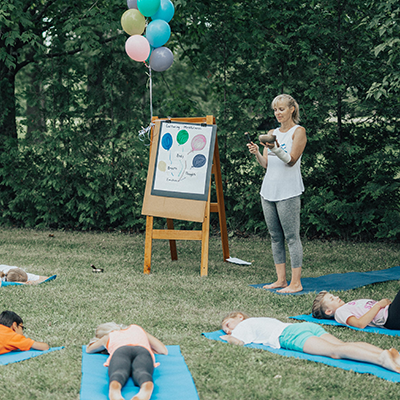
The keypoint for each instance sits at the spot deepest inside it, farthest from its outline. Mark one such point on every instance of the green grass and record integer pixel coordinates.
(175, 304)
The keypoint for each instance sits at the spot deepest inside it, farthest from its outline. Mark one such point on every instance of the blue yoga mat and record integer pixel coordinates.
(16, 356)
(348, 365)
(172, 378)
(370, 329)
(50, 278)
(346, 281)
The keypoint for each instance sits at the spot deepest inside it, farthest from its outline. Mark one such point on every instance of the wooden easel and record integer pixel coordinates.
(170, 233)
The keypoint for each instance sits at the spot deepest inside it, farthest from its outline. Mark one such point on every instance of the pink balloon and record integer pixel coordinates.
(198, 142)
(137, 47)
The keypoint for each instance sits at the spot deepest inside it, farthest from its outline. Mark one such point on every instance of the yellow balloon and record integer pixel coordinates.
(133, 22)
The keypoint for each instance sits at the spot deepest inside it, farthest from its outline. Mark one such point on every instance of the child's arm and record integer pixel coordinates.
(157, 346)
(40, 346)
(232, 340)
(40, 280)
(98, 345)
(363, 321)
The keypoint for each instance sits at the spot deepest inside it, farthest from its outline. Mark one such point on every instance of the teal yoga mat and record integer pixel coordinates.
(172, 378)
(345, 281)
(348, 365)
(16, 356)
(50, 278)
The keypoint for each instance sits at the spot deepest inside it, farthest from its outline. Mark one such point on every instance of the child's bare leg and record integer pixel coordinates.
(295, 283)
(396, 356)
(281, 281)
(115, 391)
(352, 351)
(145, 391)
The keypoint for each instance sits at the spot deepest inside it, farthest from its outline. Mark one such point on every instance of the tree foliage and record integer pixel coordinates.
(72, 104)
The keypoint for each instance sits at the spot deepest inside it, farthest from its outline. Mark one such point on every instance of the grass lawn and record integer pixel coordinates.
(175, 304)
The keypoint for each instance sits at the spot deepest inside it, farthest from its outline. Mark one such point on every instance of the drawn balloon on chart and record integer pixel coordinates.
(182, 136)
(166, 141)
(162, 166)
(199, 161)
(198, 143)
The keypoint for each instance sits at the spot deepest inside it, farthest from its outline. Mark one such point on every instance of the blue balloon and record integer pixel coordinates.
(166, 141)
(165, 12)
(158, 32)
(199, 161)
(161, 59)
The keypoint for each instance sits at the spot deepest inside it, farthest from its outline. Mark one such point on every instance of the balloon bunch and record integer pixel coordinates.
(150, 45)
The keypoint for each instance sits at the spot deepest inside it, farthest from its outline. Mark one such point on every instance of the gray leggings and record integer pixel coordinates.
(131, 360)
(283, 222)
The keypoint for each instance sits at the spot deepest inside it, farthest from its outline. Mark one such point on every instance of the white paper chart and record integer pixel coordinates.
(184, 160)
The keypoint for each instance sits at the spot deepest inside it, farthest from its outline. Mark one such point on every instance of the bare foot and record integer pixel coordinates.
(387, 361)
(275, 285)
(395, 355)
(145, 391)
(114, 392)
(291, 289)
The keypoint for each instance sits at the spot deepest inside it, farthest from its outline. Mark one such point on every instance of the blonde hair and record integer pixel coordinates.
(319, 307)
(105, 329)
(15, 275)
(234, 314)
(291, 102)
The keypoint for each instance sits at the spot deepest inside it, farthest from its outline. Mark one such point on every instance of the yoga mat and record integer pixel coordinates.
(348, 365)
(50, 278)
(172, 378)
(345, 281)
(16, 356)
(370, 329)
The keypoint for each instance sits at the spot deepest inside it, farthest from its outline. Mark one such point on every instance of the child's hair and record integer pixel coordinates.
(106, 328)
(291, 102)
(7, 318)
(234, 314)
(319, 307)
(15, 275)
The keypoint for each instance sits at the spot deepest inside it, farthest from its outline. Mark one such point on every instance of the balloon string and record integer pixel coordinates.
(145, 133)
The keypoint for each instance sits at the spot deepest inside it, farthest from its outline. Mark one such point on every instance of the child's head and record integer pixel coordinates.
(7, 318)
(232, 320)
(106, 328)
(290, 102)
(325, 305)
(15, 275)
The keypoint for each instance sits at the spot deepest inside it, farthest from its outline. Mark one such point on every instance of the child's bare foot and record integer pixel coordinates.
(145, 391)
(291, 289)
(114, 392)
(276, 285)
(387, 361)
(396, 356)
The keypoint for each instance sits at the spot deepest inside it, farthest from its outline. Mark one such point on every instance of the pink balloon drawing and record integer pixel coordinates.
(198, 143)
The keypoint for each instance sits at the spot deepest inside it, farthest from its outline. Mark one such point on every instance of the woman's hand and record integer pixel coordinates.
(253, 148)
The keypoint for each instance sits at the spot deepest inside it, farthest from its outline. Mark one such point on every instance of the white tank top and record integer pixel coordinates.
(281, 181)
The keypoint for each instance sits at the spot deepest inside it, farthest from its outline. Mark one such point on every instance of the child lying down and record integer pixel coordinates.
(15, 274)
(305, 337)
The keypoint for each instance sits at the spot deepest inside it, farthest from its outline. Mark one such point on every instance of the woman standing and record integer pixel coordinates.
(281, 190)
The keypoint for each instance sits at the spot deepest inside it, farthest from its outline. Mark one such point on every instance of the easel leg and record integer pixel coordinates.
(205, 237)
(172, 243)
(148, 245)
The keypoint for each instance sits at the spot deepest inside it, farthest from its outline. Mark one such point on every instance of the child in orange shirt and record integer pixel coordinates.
(131, 352)
(11, 334)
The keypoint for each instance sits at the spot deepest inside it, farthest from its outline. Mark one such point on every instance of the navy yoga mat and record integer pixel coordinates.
(345, 281)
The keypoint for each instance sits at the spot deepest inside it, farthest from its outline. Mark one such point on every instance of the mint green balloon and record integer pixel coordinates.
(148, 7)
(182, 136)
(133, 22)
